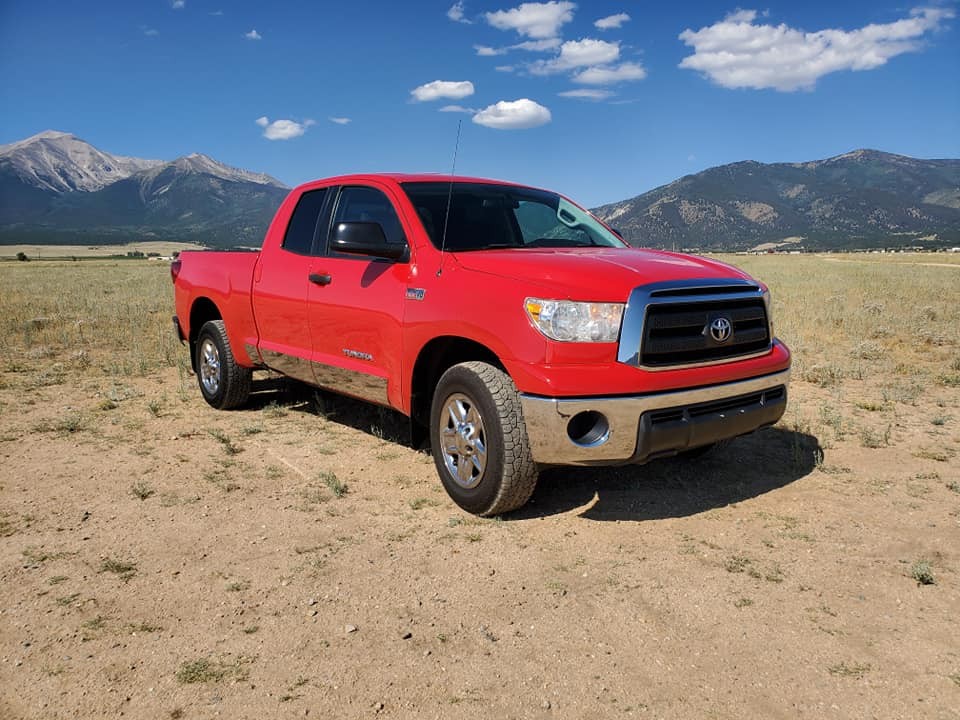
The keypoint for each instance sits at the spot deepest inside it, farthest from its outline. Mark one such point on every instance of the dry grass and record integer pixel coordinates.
(875, 334)
(105, 317)
(863, 318)
(35, 252)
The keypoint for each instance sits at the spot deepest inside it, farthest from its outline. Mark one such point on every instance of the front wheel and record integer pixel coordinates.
(223, 383)
(479, 440)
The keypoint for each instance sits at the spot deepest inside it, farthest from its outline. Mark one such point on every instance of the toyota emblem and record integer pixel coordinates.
(720, 329)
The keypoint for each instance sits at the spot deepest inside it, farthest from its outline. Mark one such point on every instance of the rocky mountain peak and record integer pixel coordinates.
(200, 163)
(61, 162)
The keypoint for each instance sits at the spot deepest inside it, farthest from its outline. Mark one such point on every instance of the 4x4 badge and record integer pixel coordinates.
(721, 329)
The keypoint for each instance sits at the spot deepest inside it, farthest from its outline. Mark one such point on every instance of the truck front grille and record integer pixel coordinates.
(680, 334)
(680, 324)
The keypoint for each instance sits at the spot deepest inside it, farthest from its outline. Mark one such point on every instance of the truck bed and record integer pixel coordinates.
(225, 277)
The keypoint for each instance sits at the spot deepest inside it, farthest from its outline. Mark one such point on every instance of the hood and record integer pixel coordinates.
(594, 274)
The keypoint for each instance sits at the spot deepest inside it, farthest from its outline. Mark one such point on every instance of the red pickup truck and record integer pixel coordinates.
(509, 322)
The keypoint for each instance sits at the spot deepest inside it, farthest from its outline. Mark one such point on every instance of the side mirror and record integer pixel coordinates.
(365, 238)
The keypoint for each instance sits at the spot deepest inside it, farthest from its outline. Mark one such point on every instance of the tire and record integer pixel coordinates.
(479, 440)
(223, 383)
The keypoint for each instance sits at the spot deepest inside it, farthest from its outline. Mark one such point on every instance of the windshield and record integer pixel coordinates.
(484, 216)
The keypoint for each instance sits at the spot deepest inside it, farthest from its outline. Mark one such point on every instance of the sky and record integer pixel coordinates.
(601, 100)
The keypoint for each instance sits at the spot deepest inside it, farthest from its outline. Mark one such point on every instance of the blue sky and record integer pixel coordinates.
(671, 88)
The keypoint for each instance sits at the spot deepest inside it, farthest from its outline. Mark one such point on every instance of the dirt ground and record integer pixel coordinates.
(159, 559)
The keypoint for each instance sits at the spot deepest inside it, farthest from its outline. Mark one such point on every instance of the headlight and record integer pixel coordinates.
(569, 321)
(769, 307)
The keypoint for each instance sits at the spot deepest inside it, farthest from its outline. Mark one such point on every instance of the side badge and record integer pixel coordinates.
(358, 354)
(415, 293)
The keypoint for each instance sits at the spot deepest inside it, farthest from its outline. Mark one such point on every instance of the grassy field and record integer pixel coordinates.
(114, 315)
(47, 252)
(890, 323)
(161, 559)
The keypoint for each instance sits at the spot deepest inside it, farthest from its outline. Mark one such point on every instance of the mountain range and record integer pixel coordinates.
(861, 199)
(56, 188)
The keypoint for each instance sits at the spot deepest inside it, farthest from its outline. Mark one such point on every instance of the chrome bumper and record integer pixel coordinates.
(630, 432)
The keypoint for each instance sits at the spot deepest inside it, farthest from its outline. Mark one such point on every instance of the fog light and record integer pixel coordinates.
(588, 429)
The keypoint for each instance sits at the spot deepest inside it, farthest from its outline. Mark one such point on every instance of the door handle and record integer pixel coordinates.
(319, 279)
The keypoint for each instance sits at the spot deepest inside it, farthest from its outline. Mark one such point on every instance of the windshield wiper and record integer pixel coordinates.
(490, 246)
(558, 243)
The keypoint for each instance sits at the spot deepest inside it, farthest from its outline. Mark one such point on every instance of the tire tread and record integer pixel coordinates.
(235, 379)
(520, 472)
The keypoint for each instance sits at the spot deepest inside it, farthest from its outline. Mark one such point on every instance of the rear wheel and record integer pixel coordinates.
(223, 383)
(479, 440)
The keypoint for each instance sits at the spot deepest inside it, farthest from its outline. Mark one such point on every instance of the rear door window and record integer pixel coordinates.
(302, 229)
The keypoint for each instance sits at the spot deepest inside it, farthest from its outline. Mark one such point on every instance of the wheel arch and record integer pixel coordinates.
(202, 311)
(479, 440)
(435, 358)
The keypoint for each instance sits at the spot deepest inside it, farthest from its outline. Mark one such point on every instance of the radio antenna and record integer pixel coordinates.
(446, 217)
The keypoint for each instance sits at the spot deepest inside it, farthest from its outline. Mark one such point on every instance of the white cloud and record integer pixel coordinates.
(505, 68)
(537, 45)
(455, 13)
(741, 15)
(611, 75)
(611, 21)
(578, 53)
(178, 4)
(458, 109)
(442, 89)
(150, 32)
(282, 129)
(528, 45)
(738, 53)
(516, 115)
(253, 35)
(535, 20)
(340, 120)
(217, 13)
(587, 94)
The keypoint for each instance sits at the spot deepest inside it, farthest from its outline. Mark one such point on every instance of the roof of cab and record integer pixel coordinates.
(405, 178)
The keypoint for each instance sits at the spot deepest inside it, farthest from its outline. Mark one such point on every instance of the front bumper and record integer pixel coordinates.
(620, 430)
